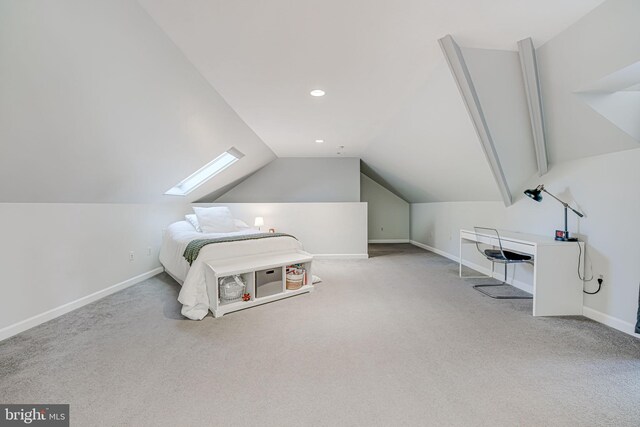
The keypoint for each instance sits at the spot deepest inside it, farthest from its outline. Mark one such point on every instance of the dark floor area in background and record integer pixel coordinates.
(382, 249)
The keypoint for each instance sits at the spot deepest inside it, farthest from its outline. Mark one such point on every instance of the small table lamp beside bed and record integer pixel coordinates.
(212, 244)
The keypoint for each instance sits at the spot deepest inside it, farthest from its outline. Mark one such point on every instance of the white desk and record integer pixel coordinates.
(557, 289)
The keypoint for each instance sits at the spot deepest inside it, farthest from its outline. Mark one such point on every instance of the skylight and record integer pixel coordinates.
(206, 172)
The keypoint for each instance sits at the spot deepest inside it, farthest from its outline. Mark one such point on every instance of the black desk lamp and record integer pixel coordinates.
(560, 235)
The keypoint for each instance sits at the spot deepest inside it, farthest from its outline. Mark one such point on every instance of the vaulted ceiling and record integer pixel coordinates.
(370, 57)
(126, 98)
(389, 98)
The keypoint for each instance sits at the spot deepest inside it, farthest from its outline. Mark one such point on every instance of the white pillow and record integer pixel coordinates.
(215, 220)
(193, 220)
(241, 224)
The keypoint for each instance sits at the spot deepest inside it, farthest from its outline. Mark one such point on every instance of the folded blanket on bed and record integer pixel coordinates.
(194, 246)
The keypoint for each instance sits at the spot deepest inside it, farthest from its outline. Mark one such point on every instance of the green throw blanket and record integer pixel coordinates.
(194, 246)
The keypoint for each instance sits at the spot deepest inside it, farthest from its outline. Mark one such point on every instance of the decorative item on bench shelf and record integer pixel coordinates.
(295, 277)
(231, 288)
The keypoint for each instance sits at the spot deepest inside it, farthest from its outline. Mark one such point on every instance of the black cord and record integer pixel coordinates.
(584, 279)
(593, 293)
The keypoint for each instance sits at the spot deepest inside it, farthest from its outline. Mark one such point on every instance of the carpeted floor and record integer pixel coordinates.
(394, 340)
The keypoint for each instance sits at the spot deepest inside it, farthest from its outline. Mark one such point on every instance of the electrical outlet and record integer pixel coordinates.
(132, 256)
(381, 228)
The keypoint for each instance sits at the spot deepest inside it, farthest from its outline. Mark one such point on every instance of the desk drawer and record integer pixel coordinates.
(519, 247)
(506, 244)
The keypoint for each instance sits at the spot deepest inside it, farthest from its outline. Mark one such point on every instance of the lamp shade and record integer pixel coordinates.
(535, 193)
(259, 222)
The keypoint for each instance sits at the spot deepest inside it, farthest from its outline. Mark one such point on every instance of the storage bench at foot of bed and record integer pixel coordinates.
(247, 267)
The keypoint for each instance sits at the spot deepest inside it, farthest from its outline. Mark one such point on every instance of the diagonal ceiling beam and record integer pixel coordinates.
(461, 75)
(529, 65)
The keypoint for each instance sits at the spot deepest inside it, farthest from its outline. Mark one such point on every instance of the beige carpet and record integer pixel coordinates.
(394, 340)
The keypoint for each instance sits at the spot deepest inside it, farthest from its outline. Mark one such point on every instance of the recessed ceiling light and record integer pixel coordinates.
(319, 141)
(317, 92)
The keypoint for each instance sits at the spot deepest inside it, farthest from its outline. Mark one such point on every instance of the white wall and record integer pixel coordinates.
(388, 214)
(98, 105)
(336, 230)
(55, 254)
(603, 187)
(300, 179)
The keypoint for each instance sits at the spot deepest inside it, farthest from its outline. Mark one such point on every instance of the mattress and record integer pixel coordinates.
(193, 295)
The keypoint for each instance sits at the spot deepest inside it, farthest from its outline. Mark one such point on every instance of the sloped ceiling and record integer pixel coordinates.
(617, 98)
(622, 108)
(370, 56)
(98, 105)
(497, 77)
(581, 57)
(389, 99)
(429, 150)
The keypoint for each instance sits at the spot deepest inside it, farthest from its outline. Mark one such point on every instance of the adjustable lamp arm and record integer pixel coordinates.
(534, 193)
(576, 212)
(565, 204)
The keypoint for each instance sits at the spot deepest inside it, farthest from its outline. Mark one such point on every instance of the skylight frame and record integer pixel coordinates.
(205, 173)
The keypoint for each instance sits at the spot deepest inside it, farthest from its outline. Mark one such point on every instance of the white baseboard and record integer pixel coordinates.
(38, 319)
(592, 314)
(614, 322)
(340, 256)
(434, 250)
(499, 275)
(389, 241)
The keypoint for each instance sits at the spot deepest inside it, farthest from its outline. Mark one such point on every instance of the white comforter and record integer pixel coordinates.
(193, 295)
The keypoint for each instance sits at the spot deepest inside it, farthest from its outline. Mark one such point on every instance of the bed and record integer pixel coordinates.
(193, 294)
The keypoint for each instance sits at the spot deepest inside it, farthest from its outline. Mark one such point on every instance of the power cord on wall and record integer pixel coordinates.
(598, 290)
(584, 279)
